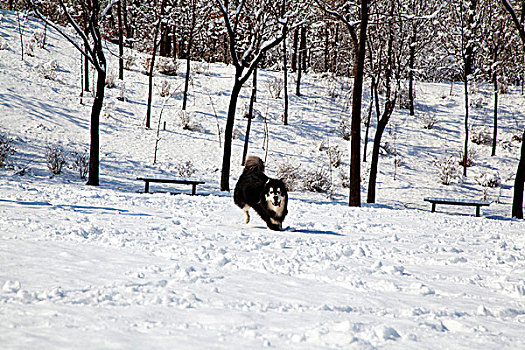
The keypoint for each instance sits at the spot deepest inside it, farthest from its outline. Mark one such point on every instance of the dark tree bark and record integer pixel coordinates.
(301, 59)
(164, 38)
(496, 95)
(334, 49)
(369, 118)
(465, 146)
(357, 94)
(94, 153)
(303, 49)
(86, 74)
(295, 50)
(120, 43)
(127, 26)
(517, 203)
(381, 125)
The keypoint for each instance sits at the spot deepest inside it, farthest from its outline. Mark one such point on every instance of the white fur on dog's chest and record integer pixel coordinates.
(277, 210)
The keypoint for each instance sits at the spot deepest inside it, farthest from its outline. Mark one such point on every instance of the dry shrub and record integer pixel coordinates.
(447, 169)
(6, 150)
(317, 180)
(289, 173)
(56, 159)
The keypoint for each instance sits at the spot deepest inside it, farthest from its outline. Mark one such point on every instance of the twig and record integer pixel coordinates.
(216, 118)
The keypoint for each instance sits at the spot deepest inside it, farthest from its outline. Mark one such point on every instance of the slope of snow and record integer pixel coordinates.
(109, 267)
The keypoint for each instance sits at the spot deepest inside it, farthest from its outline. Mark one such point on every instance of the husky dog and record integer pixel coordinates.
(267, 196)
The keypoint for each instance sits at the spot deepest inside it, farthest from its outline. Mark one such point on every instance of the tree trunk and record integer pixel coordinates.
(285, 71)
(496, 94)
(94, 151)
(163, 40)
(86, 74)
(381, 125)
(465, 148)
(327, 50)
(228, 132)
(250, 117)
(299, 64)
(369, 119)
(120, 43)
(303, 49)
(129, 30)
(295, 48)
(355, 133)
(334, 49)
(411, 59)
(517, 203)
(188, 55)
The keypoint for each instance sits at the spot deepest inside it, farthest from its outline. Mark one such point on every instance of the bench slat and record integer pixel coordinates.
(174, 181)
(471, 202)
(464, 202)
(193, 183)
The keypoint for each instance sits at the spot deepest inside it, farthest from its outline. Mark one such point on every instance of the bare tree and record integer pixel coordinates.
(94, 53)
(120, 42)
(193, 15)
(519, 181)
(156, 43)
(357, 93)
(285, 67)
(250, 117)
(263, 21)
(389, 104)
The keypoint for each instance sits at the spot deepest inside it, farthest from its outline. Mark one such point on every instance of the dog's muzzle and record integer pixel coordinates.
(276, 201)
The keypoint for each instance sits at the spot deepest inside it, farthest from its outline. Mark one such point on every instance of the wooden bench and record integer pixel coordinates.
(464, 202)
(193, 183)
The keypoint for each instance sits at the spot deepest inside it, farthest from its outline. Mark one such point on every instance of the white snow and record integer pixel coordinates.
(109, 267)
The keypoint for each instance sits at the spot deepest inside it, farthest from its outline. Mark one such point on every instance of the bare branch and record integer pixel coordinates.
(231, 33)
(349, 25)
(519, 26)
(85, 53)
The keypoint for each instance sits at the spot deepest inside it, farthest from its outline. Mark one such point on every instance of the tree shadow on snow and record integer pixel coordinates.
(77, 208)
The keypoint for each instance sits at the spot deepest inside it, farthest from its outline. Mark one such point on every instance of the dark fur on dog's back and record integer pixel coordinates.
(252, 190)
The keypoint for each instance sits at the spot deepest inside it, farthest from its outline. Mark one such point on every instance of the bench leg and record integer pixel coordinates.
(478, 210)
(146, 187)
(193, 189)
(433, 207)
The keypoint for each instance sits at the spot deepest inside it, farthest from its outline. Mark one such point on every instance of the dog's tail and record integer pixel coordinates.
(254, 164)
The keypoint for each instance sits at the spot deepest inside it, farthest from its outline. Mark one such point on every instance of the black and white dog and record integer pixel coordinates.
(267, 196)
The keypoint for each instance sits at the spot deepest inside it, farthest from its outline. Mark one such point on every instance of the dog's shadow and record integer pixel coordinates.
(313, 232)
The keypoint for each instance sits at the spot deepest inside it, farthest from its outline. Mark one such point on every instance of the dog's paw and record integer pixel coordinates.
(246, 217)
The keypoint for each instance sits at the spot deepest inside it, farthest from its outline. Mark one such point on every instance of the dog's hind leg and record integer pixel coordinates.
(246, 214)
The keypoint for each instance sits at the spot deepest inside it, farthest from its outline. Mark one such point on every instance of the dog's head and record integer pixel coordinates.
(275, 193)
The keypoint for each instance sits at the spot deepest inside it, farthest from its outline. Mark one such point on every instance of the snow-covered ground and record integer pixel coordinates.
(110, 267)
